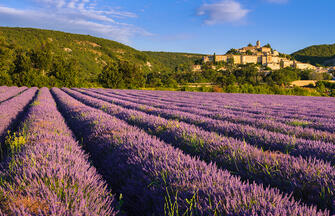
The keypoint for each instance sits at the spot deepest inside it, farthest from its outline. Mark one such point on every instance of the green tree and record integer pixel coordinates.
(22, 71)
(233, 52)
(42, 57)
(156, 82)
(248, 52)
(209, 74)
(305, 74)
(111, 76)
(248, 73)
(132, 74)
(6, 62)
(225, 80)
(66, 71)
(283, 76)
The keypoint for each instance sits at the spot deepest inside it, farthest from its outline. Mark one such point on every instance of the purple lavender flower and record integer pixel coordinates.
(156, 178)
(8, 92)
(51, 174)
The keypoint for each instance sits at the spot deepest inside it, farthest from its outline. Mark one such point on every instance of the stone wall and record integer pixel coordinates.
(276, 59)
(220, 58)
(237, 59)
(273, 66)
(251, 59)
(286, 63)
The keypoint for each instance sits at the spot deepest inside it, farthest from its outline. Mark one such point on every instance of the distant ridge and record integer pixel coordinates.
(317, 54)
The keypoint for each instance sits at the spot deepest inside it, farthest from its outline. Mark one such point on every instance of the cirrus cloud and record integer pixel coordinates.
(226, 11)
(77, 16)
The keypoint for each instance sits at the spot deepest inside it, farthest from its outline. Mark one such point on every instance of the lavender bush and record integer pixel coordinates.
(8, 92)
(259, 107)
(50, 175)
(259, 137)
(279, 170)
(106, 132)
(164, 153)
(10, 113)
(298, 128)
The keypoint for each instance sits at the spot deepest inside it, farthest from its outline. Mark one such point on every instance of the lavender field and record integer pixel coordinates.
(135, 152)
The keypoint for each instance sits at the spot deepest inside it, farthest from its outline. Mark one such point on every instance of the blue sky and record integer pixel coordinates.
(197, 26)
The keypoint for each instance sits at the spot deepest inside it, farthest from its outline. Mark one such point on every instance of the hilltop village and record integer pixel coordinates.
(263, 55)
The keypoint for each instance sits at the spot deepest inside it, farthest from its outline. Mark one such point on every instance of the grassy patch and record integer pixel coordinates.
(299, 123)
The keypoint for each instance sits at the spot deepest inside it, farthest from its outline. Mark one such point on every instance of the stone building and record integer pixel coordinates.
(257, 54)
(258, 50)
(304, 66)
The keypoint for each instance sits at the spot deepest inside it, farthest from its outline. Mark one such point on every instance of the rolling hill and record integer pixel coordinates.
(317, 54)
(90, 54)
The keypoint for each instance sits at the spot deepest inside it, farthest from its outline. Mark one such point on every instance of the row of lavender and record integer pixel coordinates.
(308, 179)
(263, 138)
(251, 105)
(43, 169)
(212, 121)
(272, 122)
(152, 177)
(256, 103)
(9, 92)
(226, 110)
(157, 179)
(286, 141)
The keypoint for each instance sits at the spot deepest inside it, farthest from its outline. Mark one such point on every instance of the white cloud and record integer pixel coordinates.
(77, 16)
(226, 11)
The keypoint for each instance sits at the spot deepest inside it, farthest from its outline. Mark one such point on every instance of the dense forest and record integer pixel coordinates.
(33, 57)
(317, 55)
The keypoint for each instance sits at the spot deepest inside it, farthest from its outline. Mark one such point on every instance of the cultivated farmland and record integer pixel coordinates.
(134, 152)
